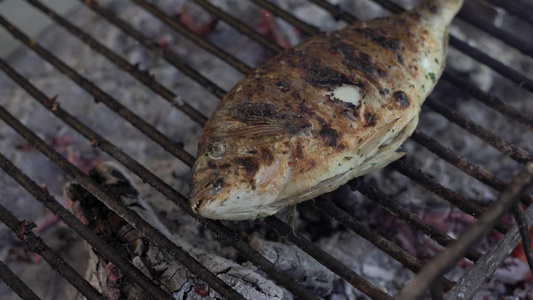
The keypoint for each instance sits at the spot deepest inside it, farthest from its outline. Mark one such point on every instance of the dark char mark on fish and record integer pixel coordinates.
(250, 165)
(401, 99)
(322, 75)
(371, 120)
(250, 111)
(380, 37)
(330, 136)
(358, 60)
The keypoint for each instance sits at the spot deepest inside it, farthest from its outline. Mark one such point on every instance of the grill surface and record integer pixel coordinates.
(410, 167)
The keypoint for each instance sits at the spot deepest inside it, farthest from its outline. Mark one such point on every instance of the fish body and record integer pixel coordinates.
(335, 107)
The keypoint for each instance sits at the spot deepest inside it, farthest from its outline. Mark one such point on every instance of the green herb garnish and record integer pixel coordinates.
(432, 77)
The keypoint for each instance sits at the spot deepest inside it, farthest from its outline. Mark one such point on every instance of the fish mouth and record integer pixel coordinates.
(242, 200)
(196, 203)
(197, 197)
(236, 202)
(239, 204)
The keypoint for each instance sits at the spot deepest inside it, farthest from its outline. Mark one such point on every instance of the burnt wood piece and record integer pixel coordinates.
(150, 258)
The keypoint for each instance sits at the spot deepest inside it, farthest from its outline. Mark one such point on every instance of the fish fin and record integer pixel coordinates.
(264, 129)
(269, 127)
(374, 141)
(379, 162)
(291, 216)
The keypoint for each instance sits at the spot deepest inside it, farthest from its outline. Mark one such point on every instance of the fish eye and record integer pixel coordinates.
(218, 149)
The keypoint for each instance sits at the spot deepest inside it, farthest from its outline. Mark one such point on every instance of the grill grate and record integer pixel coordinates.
(224, 233)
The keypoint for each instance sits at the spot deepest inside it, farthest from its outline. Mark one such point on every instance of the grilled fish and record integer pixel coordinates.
(335, 107)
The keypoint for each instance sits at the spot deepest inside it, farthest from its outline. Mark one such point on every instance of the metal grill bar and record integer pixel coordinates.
(410, 218)
(269, 44)
(481, 174)
(514, 76)
(135, 220)
(488, 99)
(444, 193)
(143, 76)
(480, 272)
(43, 196)
(34, 244)
(156, 49)
(505, 36)
(435, 268)
(513, 151)
(16, 284)
(220, 53)
(101, 96)
(324, 258)
(308, 29)
(370, 235)
(519, 8)
(222, 232)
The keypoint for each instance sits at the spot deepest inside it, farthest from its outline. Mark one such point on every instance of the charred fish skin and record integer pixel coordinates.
(330, 109)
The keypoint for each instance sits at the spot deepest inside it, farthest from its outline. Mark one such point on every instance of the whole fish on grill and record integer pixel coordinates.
(330, 109)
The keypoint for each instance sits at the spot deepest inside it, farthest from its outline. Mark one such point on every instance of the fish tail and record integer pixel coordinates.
(445, 8)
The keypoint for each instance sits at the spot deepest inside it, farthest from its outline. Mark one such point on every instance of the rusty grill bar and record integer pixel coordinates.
(519, 8)
(16, 284)
(225, 234)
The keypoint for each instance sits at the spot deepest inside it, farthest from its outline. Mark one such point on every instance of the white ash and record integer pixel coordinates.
(368, 261)
(179, 127)
(297, 264)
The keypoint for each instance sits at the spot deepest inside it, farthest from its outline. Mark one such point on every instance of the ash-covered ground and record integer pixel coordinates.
(511, 280)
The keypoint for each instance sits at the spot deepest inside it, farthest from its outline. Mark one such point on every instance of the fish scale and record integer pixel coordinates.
(335, 107)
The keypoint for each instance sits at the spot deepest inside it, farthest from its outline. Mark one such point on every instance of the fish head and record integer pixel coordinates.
(238, 179)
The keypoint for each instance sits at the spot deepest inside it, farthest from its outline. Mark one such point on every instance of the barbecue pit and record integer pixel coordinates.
(474, 136)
